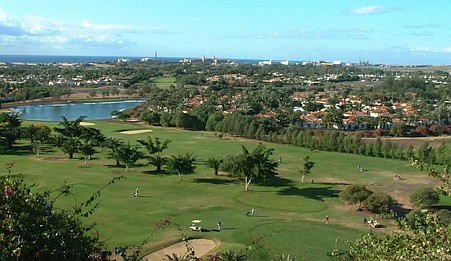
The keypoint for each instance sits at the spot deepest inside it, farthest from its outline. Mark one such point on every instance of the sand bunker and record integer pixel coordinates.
(84, 123)
(200, 246)
(135, 131)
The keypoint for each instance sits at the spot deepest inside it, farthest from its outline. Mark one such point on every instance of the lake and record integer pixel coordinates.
(92, 110)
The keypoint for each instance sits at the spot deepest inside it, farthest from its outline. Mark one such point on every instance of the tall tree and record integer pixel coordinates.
(308, 165)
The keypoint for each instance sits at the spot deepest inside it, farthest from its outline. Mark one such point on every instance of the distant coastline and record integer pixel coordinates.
(47, 59)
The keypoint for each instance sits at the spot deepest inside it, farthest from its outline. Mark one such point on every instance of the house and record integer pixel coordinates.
(350, 124)
(309, 121)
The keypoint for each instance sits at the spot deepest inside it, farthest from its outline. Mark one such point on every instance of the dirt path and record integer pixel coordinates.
(200, 246)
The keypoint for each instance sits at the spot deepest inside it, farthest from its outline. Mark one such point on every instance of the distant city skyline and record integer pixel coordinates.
(384, 31)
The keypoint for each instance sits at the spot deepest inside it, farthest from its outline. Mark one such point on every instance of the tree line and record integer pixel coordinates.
(271, 130)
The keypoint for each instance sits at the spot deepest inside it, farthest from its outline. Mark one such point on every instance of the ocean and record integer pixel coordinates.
(46, 59)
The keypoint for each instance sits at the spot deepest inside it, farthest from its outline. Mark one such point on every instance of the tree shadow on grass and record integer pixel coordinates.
(156, 172)
(400, 210)
(216, 181)
(278, 182)
(19, 151)
(311, 193)
(334, 183)
(440, 207)
(121, 166)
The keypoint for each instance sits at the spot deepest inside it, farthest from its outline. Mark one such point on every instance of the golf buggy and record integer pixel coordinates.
(196, 225)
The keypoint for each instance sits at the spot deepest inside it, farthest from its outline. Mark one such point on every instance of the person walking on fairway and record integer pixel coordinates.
(219, 225)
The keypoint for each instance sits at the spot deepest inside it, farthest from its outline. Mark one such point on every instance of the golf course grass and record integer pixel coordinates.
(288, 216)
(163, 82)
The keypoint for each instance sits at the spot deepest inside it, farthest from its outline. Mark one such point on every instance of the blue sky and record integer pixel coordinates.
(384, 31)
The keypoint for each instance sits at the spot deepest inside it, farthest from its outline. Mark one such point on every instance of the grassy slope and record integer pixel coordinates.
(292, 211)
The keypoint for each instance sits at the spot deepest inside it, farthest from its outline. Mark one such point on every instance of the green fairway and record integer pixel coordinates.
(164, 82)
(288, 214)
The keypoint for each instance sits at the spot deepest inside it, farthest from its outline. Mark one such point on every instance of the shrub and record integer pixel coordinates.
(355, 194)
(444, 217)
(423, 130)
(424, 197)
(379, 203)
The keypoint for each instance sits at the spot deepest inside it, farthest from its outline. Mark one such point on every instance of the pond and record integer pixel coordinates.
(92, 110)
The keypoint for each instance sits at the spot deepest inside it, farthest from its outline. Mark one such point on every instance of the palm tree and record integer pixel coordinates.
(188, 256)
(129, 155)
(86, 148)
(214, 163)
(113, 143)
(181, 164)
(10, 128)
(229, 255)
(70, 128)
(158, 160)
(70, 146)
(155, 147)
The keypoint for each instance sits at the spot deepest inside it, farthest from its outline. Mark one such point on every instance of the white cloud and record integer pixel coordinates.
(106, 27)
(423, 26)
(88, 25)
(36, 25)
(308, 34)
(3, 16)
(421, 49)
(372, 9)
(41, 32)
(447, 49)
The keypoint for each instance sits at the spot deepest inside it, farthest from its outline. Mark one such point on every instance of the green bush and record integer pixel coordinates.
(425, 197)
(379, 203)
(355, 194)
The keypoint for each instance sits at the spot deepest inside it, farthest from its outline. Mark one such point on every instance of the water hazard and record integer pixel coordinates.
(92, 110)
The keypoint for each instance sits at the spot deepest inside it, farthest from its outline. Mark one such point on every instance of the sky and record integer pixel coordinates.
(412, 32)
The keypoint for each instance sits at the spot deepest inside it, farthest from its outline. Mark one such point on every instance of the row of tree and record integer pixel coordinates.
(71, 137)
(269, 129)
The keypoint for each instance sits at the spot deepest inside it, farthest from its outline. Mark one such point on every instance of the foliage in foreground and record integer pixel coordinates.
(428, 240)
(32, 229)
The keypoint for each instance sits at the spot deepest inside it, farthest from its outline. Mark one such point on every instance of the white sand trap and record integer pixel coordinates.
(200, 246)
(84, 123)
(135, 131)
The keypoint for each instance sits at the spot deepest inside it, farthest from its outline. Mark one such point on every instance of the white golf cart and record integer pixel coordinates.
(196, 225)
